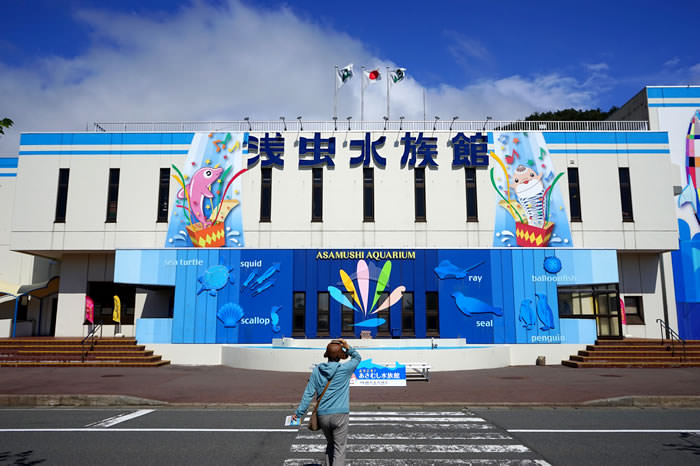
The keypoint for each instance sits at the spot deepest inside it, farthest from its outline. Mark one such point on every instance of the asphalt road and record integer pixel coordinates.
(535, 436)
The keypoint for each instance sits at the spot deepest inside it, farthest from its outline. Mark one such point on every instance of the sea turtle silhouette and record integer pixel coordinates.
(215, 278)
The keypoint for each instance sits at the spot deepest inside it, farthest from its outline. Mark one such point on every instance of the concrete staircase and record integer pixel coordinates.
(637, 352)
(62, 352)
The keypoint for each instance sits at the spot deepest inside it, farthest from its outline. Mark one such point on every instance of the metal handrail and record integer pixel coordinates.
(671, 336)
(344, 125)
(91, 336)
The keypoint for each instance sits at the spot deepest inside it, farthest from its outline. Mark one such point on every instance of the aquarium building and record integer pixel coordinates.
(538, 237)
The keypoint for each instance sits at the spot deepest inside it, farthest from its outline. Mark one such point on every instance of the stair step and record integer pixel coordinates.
(633, 358)
(83, 364)
(599, 364)
(649, 353)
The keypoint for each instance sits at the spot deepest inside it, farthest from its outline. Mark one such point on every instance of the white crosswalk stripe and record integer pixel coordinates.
(417, 438)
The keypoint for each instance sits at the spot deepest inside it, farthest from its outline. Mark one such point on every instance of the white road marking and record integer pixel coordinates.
(407, 413)
(427, 425)
(608, 431)
(423, 462)
(413, 448)
(415, 436)
(413, 419)
(112, 421)
(165, 429)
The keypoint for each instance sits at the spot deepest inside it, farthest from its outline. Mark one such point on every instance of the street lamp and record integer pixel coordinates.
(301, 126)
(401, 122)
(386, 120)
(247, 119)
(284, 123)
(453, 121)
(435, 124)
(485, 122)
(335, 123)
(349, 118)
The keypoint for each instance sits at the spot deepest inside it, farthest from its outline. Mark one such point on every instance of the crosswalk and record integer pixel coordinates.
(417, 438)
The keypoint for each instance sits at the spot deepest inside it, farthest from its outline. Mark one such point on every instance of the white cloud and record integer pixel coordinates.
(223, 63)
(597, 67)
(672, 62)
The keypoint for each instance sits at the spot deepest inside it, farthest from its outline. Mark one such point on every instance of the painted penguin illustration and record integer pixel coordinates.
(544, 312)
(527, 314)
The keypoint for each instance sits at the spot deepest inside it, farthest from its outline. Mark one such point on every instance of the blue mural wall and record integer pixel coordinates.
(486, 296)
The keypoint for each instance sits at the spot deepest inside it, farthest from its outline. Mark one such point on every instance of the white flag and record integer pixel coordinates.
(373, 76)
(344, 75)
(397, 75)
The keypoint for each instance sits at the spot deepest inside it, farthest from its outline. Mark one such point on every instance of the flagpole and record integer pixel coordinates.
(335, 94)
(387, 93)
(362, 96)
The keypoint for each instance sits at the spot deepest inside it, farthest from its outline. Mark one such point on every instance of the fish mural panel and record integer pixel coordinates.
(207, 209)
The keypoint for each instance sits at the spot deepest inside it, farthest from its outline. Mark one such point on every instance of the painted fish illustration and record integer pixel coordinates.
(275, 318)
(471, 306)
(247, 280)
(689, 195)
(268, 273)
(230, 314)
(263, 287)
(544, 312)
(447, 269)
(215, 278)
(527, 314)
(198, 188)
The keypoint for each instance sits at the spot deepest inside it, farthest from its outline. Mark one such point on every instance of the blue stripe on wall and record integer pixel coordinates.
(676, 105)
(103, 152)
(8, 175)
(609, 151)
(610, 137)
(672, 92)
(9, 162)
(53, 139)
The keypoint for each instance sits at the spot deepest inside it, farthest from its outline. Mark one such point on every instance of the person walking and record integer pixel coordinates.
(334, 407)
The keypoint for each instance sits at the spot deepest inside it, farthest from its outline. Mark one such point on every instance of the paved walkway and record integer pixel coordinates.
(206, 385)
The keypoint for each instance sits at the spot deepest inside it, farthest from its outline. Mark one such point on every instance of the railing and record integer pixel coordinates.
(350, 125)
(672, 337)
(90, 339)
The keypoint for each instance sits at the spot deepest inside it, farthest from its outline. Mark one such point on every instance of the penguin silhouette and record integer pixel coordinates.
(544, 312)
(527, 315)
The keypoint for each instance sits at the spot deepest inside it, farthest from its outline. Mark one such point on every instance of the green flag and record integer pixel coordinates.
(397, 75)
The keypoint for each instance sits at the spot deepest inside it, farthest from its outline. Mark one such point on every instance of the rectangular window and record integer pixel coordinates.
(470, 183)
(626, 194)
(432, 314)
(419, 184)
(265, 194)
(368, 194)
(62, 195)
(633, 310)
(317, 195)
(323, 326)
(348, 317)
(112, 195)
(384, 330)
(299, 314)
(574, 194)
(408, 322)
(163, 195)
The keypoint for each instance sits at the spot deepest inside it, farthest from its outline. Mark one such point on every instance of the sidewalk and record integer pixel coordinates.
(221, 385)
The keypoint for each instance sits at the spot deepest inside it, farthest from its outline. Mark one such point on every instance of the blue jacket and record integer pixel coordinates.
(336, 400)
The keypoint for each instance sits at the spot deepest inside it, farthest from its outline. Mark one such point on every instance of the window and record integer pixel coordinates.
(299, 314)
(432, 314)
(102, 294)
(408, 323)
(419, 174)
(633, 310)
(317, 195)
(62, 195)
(470, 183)
(626, 194)
(265, 194)
(323, 314)
(384, 330)
(368, 194)
(348, 317)
(574, 194)
(112, 195)
(163, 194)
(586, 300)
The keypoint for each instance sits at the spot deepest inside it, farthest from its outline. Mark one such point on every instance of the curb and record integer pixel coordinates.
(132, 401)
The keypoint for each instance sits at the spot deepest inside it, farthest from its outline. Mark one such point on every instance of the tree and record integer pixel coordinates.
(571, 114)
(5, 123)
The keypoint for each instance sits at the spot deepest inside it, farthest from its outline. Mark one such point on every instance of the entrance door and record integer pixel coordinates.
(608, 314)
(599, 302)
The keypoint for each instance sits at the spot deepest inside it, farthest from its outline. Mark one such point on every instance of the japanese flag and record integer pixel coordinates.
(373, 76)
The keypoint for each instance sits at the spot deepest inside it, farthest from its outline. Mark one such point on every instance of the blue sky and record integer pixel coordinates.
(64, 64)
